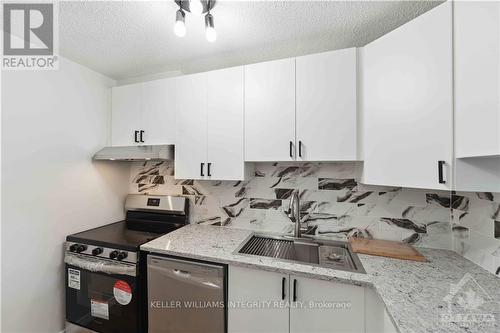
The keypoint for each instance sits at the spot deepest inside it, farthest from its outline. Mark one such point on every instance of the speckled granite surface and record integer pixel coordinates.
(447, 294)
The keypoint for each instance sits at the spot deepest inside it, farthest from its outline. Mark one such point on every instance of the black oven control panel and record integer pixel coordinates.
(102, 252)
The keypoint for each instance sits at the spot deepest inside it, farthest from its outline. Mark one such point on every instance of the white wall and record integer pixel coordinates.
(52, 123)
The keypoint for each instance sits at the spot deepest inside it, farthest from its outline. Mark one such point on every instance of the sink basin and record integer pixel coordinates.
(329, 254)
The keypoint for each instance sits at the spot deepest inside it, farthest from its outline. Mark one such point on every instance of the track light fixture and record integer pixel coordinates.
(196, 7)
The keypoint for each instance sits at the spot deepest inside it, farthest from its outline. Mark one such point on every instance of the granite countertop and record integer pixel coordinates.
(415, 293)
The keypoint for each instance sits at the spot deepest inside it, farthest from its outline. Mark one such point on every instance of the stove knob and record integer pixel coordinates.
(81, 248)
(114, 254)
(97, 251)
(73, 248)
(122, 255)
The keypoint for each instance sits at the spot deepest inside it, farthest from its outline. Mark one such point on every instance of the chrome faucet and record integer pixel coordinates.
(294, 213)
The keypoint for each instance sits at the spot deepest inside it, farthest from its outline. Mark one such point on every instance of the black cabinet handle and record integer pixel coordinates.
(136, 140)
(208, 169)
(291, 149)
(300, 148)
(294, 290)
(201, 169)
(440, 172)
(283, 282)
(140, 136)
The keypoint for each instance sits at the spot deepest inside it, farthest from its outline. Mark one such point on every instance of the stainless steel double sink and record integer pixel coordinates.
(323, 253)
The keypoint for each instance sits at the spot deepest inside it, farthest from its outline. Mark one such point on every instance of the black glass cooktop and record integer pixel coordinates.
(116, 235)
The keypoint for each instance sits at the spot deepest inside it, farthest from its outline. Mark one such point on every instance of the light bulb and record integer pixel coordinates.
(210, 32)
(196, 7)
(180, 29)
(180, 26)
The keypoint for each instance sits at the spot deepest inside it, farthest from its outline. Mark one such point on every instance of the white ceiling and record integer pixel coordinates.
(136, 38)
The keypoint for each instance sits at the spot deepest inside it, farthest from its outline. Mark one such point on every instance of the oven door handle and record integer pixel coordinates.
(100, 265)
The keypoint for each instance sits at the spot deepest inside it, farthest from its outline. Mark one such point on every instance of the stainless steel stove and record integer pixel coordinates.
(105, 275)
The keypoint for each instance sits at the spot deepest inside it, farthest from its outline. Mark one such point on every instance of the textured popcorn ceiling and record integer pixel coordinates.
(135, 38)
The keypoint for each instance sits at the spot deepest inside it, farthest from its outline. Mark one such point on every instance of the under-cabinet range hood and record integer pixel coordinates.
(136, 153)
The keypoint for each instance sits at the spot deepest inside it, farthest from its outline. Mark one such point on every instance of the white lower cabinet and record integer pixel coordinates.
(261, 301)
(377, 319)
(324, 306)
(249, 287)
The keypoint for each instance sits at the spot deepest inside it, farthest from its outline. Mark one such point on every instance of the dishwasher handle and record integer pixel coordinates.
(181, 273)
(185, 269)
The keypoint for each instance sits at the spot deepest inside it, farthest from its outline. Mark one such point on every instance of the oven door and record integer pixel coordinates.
(102, 295)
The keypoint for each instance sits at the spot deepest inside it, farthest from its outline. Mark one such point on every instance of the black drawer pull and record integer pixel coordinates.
(136, 140)
(300, 148)
(283, 282)
(291, 149)
(208, 169)
(140, 136)
(201, 169)
(440, 172)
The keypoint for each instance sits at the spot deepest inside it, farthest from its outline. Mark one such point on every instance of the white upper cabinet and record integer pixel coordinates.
(302, 109)
(209, 136)
(143, 113)
(326, 106)
(126, 115)
(158, 111)
(476, 27)
(225, 106)
(191, 127)
(407, 103)
(476, 32)
(270, 111)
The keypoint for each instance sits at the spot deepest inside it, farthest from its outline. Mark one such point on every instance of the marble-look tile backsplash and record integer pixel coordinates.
(476, 227)
(335, 205)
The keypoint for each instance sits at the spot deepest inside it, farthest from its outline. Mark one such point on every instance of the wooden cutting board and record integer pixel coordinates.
(385, 248)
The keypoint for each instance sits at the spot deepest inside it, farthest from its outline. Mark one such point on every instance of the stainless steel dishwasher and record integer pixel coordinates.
(185, 296)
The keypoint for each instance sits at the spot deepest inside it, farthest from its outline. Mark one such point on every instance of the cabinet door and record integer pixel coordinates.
(324, 306)
(377, 319)
(158, 112)
(407, 103)
(225, 124)
(191, 127)
(126, 114)
(248, 286)
(326, 106)
(476, 27)
(270, 111)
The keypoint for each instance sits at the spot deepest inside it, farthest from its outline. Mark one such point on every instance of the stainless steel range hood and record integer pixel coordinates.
(136, 153)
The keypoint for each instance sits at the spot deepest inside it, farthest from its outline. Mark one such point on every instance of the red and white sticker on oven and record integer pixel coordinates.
(122, 292)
